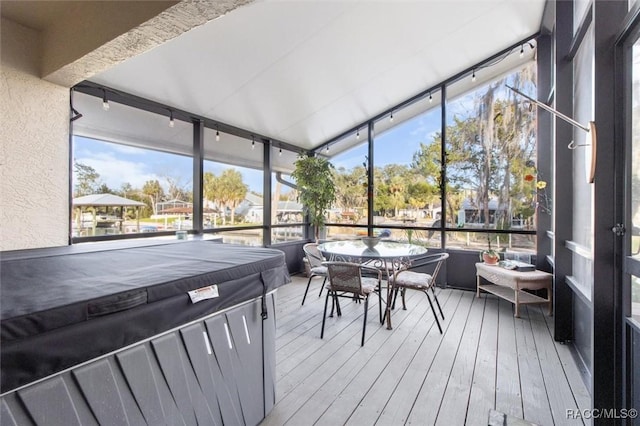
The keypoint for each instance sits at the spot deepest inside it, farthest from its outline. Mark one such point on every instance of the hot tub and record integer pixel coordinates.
(76, 319)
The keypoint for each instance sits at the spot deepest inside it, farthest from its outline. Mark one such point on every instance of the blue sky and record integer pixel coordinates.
(395, 146)
(118, 164)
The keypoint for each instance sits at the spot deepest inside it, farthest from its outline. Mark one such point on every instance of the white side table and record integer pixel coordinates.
(509, 285)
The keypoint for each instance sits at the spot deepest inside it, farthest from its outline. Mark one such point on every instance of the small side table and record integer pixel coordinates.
(509, 285)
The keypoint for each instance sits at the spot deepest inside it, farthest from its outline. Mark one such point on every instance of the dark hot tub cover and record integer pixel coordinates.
(63, 306)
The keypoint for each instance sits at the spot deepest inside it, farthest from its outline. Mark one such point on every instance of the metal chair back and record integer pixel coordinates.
(314, 256)
(344, 276)
(433, 259)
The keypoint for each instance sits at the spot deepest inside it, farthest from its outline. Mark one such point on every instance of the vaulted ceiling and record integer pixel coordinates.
(303, 72)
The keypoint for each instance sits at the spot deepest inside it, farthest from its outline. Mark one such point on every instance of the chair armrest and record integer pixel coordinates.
(427, 260)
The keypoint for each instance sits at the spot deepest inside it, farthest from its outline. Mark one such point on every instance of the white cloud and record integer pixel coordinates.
(114, 171)
(129, 150)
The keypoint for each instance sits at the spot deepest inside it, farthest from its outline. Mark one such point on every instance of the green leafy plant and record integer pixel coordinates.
(314, 179)
(409, 233)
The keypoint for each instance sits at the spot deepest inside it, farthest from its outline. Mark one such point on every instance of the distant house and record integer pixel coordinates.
(472, 213)
(289, 211)
(252, 208)
(165, 206)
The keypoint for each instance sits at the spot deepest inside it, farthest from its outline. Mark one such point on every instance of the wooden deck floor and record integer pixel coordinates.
(412, 374)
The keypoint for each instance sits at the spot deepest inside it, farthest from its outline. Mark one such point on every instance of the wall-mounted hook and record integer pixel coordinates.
(572, 145)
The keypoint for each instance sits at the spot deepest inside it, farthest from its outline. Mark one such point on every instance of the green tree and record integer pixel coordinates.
(126, 190)
(154, 192)
(390, 184)
(232, 190)
(427, 168)
(177, 190)
(398, 190)
(382, 200)
(210, 190)
(210, 186)
(421, 193)
(104, 189)
(487, 149)
(351, 188)
(86, 179)
(427, 162)
(516, 140)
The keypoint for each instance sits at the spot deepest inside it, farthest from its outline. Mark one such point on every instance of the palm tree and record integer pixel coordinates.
(232, 190)
(397, 187)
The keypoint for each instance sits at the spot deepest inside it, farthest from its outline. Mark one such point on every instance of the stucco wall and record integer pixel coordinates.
(99, 23)
(34, 149)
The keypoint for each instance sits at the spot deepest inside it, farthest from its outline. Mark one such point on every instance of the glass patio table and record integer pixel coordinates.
(388, 256)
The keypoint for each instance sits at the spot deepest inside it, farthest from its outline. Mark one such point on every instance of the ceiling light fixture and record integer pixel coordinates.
(105, 101)
(171, 122)
(280, 152)
(327, 148)
(522, 50)
(253, 142)
(358, 135)
(217, 135)
(430, 97)
(473, 75)
(391, 117)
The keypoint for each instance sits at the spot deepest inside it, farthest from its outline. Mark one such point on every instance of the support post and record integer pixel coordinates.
(198, 168)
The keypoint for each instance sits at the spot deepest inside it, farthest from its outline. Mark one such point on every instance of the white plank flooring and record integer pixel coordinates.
(412, 374)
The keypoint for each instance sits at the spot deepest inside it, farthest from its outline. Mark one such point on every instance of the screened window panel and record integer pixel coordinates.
(492, 177)
(130, 126)
(407, 166)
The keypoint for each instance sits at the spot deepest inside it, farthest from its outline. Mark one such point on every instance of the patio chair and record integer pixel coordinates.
(405, 279)
(316, 268)
(346, 280)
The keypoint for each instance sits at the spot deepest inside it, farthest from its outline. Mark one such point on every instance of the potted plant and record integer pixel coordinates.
(314, 179)
(489, 256)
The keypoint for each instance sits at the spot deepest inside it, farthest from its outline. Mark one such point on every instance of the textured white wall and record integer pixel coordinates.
(34, 149)
(34, 113)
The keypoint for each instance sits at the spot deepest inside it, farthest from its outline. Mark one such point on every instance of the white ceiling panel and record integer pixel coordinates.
(306, 71)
